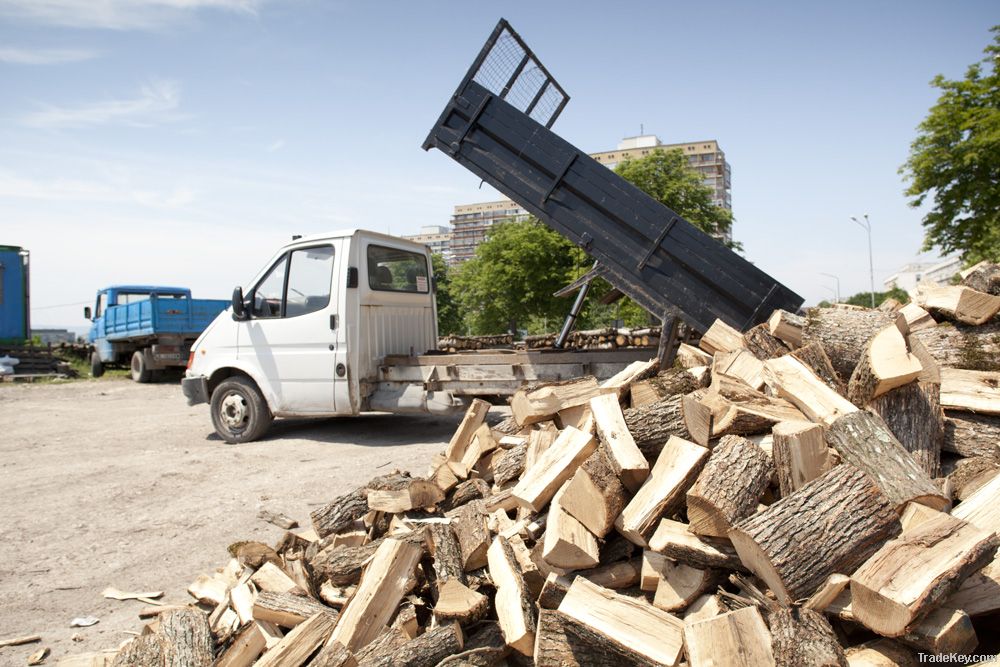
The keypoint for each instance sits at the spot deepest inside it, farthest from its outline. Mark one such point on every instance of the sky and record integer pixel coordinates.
(181, 142)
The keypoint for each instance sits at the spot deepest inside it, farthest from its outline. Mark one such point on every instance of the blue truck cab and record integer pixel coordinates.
(146, 327)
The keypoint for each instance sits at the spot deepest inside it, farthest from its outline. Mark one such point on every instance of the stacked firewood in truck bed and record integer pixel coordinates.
(819, 490)
(598, 339)
(456, 343)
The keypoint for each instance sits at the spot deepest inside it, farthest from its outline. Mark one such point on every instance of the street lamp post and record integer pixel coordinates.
(837, 278)
(867, 226)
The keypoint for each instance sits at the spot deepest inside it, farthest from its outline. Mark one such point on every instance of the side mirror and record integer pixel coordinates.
(239, 307)
(86, 313)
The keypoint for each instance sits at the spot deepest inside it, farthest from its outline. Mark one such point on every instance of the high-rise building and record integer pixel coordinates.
(437, 237)
(471, 222)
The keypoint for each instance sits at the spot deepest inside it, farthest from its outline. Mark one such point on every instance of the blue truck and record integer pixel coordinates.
(15, 326)
(146, 328)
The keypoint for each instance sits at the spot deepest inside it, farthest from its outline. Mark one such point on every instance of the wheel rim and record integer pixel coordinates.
(234, 411)
(136, 365)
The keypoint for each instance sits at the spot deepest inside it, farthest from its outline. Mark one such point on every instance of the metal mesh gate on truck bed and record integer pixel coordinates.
(497, 126)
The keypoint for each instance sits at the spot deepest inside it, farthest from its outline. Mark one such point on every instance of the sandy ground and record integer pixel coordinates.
(111, 483)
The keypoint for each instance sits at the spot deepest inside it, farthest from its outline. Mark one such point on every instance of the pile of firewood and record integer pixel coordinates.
(598, 339)
(820, 490)
(456, 343)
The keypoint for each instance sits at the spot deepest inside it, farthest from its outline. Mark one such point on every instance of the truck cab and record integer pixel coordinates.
(305, 336)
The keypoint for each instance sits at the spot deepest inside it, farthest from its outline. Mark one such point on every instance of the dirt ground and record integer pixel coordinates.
(112, 483)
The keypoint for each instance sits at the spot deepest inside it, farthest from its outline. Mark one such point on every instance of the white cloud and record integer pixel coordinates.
(111, 191)
(117, 14)
(156, 103)
(18, 56)
(276, 146)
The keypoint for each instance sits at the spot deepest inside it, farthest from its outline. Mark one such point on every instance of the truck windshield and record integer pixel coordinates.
(132, 297)
(394, 270)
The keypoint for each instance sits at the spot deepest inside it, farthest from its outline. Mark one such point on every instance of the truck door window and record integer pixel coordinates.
(393, 270)
(267, 296)
(309, 280)
(102, 304)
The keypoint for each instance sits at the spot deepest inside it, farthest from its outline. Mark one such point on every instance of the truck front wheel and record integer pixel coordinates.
(239, 412)
(140, 373)
(96, 365)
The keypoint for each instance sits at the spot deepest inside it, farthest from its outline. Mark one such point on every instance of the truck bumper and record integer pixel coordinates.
(195, 389)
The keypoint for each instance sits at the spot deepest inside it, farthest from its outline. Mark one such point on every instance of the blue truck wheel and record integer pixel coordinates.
(140, 373)
(96, 365)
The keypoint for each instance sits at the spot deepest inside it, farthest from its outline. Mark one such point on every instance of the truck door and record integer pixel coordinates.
(292, 333)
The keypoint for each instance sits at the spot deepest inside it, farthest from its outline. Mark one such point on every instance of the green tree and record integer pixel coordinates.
(865, 298)
(512, 278)
(955, 160)
(666, 177)
(449, 315)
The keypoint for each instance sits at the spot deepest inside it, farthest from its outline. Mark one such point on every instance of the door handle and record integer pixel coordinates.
(333, 323)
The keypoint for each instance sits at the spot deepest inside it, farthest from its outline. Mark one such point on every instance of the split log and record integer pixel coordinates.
(733, 639)
(295, 648)
(382, 587)
(553, 468)
(554, 590)
(963, 346)
(843, 333)
(626, 461)
(534, 404)
(469, 525)
(959, 303)
(796, 383)
(340, 513)
(864, 441)
(427, 650)
(634, 372)
(881, 653)
(828, 592)
(651, 425)
(464, 493)
(814, 357)
(680, 585)
(689, 356)
(389, 640)
(980, 593)
(971, 474)
(913, 573)
(287, 610)
(334, 655)
(916, 317)
(699, 416)
(973, 391)
(568, 545)
(982, 508)
(832, 524)
(595, 495)
(565, 642)
(721, 337)
(970, 434)
(763, 344)
(539, 441)
(458, 602)
(670, 382)
(245, 649)
(885, 363)
(508, 465)
(739, 410)
(472, 420)
(983, 277)
(615, 576)
(942, 631)
(485, 648)
(729, 487)
(514, 608)
(273, 579)
(740, 365)
(803, 637)
(444, 548)
(654, 634)
(787, 327)
(481, 444)
(663, 493)
(914, 416)
(341, 565)
(182, 637)
(673, 539)
(800, 454)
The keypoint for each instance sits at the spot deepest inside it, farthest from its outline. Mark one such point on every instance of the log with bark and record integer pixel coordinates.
(595, 495)
(651, 425)
(983, 277)
(914, 416)
(885, 363)
(972, 391)
(182, 637)
(844, 333)
(958, 303)
(787, 327)
(761, 343)
(814, 357)
(970, 434)
(963, 346)
(729, 487)
(799, 453)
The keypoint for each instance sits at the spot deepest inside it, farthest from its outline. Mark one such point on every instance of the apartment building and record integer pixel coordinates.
(437, 237)
(471, 222)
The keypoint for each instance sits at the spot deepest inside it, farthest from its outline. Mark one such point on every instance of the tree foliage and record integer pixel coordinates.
(955, 160)
(865, 298)
(666, 177)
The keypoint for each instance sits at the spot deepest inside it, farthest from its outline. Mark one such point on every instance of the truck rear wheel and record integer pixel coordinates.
(140, 373)
(239, 411)
(96, 365)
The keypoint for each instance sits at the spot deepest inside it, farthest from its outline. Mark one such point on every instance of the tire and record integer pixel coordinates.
(239, 411)
(96, 365)
(140, 373)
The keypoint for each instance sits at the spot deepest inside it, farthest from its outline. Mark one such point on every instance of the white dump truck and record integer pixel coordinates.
(344, 323)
